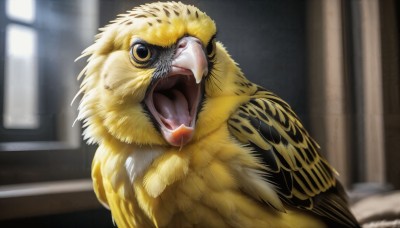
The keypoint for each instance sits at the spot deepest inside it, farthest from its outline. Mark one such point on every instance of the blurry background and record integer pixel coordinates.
(335, 61)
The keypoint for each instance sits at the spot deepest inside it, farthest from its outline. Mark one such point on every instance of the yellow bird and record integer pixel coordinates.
(185, 140)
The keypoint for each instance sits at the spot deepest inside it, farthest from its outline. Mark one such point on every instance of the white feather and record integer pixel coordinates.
(139, 160)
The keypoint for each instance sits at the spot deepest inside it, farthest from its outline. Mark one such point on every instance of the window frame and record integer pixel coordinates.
(53, 155)
(46, 130)
(55, 150)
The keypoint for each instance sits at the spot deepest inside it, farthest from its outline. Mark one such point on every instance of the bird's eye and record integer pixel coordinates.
(211, 46)
(140, 53)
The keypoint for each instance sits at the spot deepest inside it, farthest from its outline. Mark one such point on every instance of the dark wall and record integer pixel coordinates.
(266, 38)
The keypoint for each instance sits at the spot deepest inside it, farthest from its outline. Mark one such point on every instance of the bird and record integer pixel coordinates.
(186, 140)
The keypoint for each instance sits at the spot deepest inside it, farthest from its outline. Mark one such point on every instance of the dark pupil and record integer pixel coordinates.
(142, 51)
(210, 48)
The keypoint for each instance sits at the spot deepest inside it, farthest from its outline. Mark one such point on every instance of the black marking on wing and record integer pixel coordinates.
(302, 178)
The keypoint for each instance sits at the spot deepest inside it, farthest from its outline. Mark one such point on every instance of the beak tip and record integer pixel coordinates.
(199, 76)
(198, 79)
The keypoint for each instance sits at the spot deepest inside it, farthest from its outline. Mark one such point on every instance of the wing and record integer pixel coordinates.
(302, 178)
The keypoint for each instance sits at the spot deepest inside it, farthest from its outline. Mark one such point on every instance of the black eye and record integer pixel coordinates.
(140, 53)
(211, 48)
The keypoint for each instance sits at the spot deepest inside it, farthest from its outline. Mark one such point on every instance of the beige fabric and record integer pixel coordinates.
(381, 210)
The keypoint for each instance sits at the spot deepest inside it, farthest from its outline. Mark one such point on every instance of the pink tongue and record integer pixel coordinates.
(173, 112)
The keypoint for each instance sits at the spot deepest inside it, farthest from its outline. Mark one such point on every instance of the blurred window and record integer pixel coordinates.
(21, 76)
(25, 113)
(39, 41)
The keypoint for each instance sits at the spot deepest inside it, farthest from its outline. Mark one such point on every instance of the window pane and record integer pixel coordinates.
(21, 79)
(22, 10)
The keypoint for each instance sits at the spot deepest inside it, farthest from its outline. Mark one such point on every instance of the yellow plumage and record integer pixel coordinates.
(194, 143)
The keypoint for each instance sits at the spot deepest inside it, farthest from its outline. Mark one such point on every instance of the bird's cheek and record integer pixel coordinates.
(120, 78)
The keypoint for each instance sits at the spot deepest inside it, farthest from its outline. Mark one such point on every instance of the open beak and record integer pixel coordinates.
(174, 99)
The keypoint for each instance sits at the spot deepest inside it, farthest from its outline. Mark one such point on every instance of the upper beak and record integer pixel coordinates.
(190, 56)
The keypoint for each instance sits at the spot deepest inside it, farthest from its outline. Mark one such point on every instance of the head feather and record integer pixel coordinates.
(112, 88)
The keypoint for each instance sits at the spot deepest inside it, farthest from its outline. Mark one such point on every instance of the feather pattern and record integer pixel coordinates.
(292, 164)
